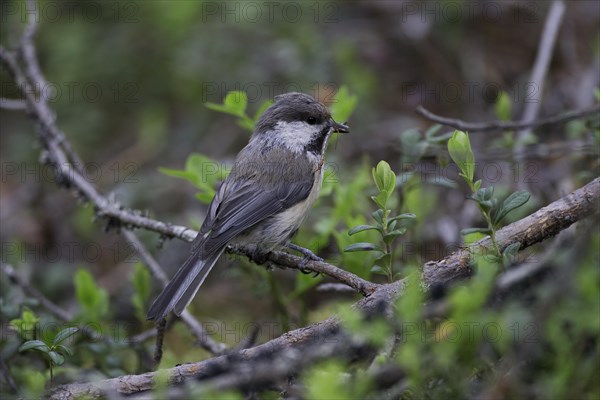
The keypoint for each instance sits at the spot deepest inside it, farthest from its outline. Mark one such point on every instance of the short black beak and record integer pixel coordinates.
(340, 128)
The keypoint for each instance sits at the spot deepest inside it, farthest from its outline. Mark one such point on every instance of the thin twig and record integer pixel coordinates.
(10, 381)
(540, 69)
(501, 125)
(54, 309)
(12, 104)
(287, 260)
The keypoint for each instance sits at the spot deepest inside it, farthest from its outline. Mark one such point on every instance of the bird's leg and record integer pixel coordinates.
(308, 256)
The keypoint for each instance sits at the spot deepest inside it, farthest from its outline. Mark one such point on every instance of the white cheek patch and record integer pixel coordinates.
(296, 135)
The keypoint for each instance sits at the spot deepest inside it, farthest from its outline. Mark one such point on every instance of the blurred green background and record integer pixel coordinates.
(129, 81)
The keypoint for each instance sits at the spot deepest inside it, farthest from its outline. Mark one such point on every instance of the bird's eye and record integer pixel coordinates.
(311, 120)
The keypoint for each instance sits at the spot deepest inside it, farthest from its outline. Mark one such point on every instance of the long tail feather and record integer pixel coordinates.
(180, 291)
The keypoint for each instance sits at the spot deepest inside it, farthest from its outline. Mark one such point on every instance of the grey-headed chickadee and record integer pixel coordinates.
(274, 182)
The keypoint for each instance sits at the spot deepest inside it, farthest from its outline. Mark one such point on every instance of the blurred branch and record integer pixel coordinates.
(540, 68)
(501, 125)
(10, 381)
(543, 224)
(12, 104)
(52, 308)
(202, 338)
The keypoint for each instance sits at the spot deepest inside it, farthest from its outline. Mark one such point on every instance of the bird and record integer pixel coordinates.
(274, 182)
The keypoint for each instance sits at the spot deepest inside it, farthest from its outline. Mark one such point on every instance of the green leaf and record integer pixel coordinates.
(395, 233)
(64, 350)
(512, 202)
(236, 101)
(460, 151)
(141, 286)
(376, 269)
(510, 253)
(378, 216)
(25, 325)
(503, 107)
(64, 334)
(93, 299)
(57, 358)
(343, 104)
(384, 177)
(361, 228)
(362, 246)
(177, 173)
(235, 104)
(36, 345)
(381, 199)
(403, 216)
(141, 281)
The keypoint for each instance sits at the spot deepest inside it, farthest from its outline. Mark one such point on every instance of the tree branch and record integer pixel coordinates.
(501, 125)
(543, 224)
(54, 309)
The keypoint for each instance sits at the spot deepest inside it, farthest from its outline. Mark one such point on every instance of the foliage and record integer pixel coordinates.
(389, 227)
(459, 148)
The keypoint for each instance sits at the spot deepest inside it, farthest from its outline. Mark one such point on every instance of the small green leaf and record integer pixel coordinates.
(512, 202)
(57, 358)
(376, 269)
(378, 216)
(64, 334)
(381, 199)
(395, 233)
(236, 101)
(361, 228)
(510, 253)
(460, 151)
(93, 299)
(36, 345)
(384, 177)
(485, 194)
(177, 173)
(503, 107)
(25, 325)
(64, 350)
(362, 246)
(343, 105)
(403, 216)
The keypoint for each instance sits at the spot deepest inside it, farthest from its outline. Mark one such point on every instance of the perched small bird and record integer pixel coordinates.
(274, 182)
